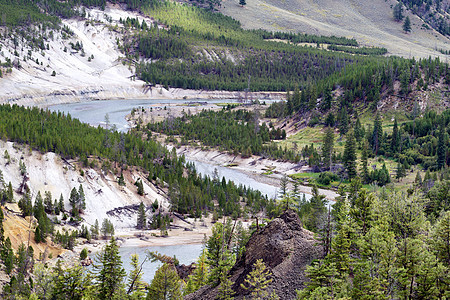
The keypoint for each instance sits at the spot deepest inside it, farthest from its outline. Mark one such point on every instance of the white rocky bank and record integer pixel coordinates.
(48, 172)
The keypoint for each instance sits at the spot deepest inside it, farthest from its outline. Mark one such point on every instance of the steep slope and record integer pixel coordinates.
(48, 172)
(96, 72)
(285, 247)
(370, 22)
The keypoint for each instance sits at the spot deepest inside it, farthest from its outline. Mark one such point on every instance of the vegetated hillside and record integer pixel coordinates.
(369, 22)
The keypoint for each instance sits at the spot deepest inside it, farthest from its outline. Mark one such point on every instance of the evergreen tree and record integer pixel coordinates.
(111, 274)
(136, 287)
(219, 257)
(377, 134)
(121, 179)
(95, 230)
(48, 202)
(257, 280)
(398, 12)
(242, 3)
(141, 218)
(328, 147)
(395, 141)
(418, 179)
(69, 283)
(165, 285)
(61, 203)
(365, 176)
(81, 198)
(349, 157)
(441, 149)
(25, 205)
(400, 172)
(200, 275)
(225, 292)
(441, 238)
(284, 186)
(407, 25)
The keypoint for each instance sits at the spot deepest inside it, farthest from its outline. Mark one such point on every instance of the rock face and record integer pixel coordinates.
(285, 247)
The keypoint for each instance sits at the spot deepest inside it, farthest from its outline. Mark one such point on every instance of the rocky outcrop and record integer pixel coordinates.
(285, 247)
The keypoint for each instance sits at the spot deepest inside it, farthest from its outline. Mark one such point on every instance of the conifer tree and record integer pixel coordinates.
(257, 280)
(225, 292)
(441, 149)
(61, 203)
(365, 176)
(200, 275)
(377, 134)
(165, 285)
(349, 157)
(328, 147)
(242, 3)
(136, 287)
(398, 12)
(395, 141)
(111, 274)
(407, 25)
(141, 218)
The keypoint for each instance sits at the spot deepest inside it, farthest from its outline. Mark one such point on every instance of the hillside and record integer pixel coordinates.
(369, 22)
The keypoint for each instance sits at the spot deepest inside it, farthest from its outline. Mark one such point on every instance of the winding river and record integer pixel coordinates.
(94, 113)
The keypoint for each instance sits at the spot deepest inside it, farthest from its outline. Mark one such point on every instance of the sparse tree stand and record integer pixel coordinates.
(407, 25)
(242, 3)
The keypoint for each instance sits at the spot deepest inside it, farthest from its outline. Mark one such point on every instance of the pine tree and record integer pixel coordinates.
(73, 200)
(242, 3)
(284, 186)
(136, 287)
(377, 134)
(81, 198)
(441, 149)
(225, 292)
(95, 230)
(219, 257)
(407, 25)
(257, 280)
(69, 282)
(365, 164)
(165, 285)
(121, 180)
(61, 203)
(48, 202)
(441, 238)
(395, 141)
(418, 180)
(398, 12)
(349, 157)
(141, 218)
(111, 274)
(328, 147)
(200, 275)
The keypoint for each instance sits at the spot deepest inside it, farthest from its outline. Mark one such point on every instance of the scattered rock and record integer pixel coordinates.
(86, 262)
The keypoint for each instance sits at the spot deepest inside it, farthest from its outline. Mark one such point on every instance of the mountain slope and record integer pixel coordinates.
(370, 22)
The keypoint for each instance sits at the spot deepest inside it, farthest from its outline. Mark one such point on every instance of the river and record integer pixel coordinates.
(94, 113)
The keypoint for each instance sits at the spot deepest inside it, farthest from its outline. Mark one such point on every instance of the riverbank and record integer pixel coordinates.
(258, 168)
(132, 90)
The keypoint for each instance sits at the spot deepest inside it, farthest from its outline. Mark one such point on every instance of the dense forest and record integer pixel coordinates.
(189, 193)
(235, 131)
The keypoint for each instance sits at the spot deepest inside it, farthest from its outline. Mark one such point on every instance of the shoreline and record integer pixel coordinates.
(133, 91)
(253, 167)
